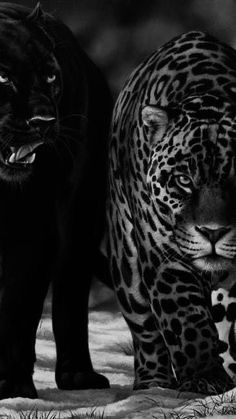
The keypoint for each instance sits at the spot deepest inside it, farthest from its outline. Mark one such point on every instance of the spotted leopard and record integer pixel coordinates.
(172, 214)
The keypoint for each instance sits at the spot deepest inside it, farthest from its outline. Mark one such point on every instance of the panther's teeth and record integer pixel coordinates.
(24, 154)
(27, 160)
(23, 151)
(31, 158)
(12, 158)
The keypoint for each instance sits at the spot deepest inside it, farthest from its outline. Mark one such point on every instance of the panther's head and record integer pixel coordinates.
(30, 85)
(192, 177)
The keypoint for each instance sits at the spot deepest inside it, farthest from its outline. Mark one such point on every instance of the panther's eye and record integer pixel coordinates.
(4, 79)
(51, 79)
(184, 182)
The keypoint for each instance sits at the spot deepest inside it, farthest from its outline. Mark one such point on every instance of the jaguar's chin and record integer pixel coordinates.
(213, 263)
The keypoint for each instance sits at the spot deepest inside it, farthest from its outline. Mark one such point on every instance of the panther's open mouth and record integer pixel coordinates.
(21, 156)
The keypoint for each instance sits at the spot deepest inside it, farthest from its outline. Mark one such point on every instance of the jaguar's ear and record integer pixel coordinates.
(37, 14)
(156, 119)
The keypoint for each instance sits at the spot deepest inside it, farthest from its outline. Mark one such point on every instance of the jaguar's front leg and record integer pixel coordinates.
(185, 323)
(151, 361)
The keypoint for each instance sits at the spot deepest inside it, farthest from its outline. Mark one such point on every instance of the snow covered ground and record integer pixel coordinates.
(110, 350)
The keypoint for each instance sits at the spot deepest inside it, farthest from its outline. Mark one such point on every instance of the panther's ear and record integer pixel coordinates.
(37, 14)
(156, 119)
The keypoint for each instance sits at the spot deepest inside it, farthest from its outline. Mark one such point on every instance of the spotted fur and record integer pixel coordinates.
(172, 214)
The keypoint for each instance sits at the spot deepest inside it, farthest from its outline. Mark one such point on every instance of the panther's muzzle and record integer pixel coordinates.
(25, 154)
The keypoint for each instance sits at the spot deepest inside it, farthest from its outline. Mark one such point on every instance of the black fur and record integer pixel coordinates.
(51, 215)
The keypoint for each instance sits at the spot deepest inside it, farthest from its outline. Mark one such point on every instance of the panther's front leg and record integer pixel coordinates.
(23, 289)
(183, 316)
(79, 237)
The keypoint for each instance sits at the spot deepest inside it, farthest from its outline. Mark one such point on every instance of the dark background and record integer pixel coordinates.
(119, 34)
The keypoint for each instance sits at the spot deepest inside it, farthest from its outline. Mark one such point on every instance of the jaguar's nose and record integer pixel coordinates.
(212, 234)
(41, 123)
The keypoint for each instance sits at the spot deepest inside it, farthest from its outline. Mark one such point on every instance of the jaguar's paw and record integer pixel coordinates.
(143, 385)
(211, 384)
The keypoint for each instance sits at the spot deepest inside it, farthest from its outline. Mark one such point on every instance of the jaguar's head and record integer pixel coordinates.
(192, 177)
(30, 87)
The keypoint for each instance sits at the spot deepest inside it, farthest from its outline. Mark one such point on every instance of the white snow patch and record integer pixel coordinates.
(108, 335)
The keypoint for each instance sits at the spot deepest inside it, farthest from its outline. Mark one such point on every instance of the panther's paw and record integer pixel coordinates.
(17, 387)
(81, 380)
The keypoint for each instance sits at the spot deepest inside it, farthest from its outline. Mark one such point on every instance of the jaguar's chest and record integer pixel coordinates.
(224, 316)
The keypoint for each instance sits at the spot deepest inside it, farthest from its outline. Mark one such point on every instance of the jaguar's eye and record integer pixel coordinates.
(183, 181)
(4, 79)
(51, 79)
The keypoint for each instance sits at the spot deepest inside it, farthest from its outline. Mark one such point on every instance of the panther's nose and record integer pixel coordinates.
(212, 234)
(41, 123)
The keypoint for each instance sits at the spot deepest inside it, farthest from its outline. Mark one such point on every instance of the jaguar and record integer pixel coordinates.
(172, 214)
(55, 109)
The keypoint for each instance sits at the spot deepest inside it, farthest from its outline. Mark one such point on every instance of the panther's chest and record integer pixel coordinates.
(224, 315)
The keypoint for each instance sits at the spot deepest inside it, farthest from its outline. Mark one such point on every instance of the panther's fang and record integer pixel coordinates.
(14, 158)
(23, 154)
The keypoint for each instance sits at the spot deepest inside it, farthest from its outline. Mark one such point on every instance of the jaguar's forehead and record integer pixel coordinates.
(208, 107)
(202, 123)
(200, 139)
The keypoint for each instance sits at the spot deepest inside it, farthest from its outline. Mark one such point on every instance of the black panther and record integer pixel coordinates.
(55, 112)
